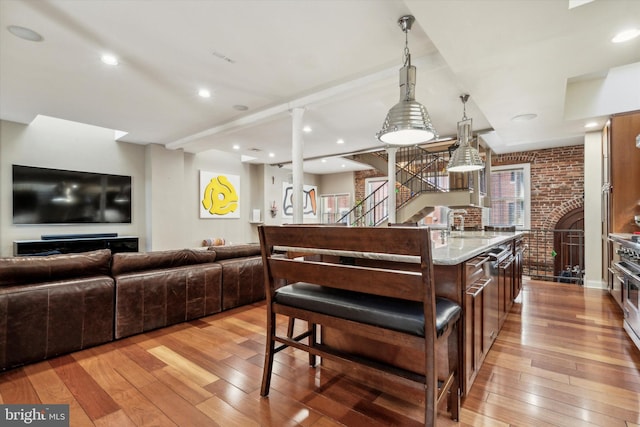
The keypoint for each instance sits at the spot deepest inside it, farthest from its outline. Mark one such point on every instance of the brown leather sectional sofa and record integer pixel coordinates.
(62, 303)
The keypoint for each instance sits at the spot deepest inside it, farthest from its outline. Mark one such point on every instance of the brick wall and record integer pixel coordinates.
(360, 178)
(557, 187)
(557, 181)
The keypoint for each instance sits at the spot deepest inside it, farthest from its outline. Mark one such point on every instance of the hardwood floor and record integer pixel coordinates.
(562, 359)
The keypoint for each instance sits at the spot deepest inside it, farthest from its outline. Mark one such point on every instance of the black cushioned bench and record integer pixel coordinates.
(381, 299)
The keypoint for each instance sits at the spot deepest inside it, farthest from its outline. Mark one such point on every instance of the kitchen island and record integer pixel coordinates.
(481, 271)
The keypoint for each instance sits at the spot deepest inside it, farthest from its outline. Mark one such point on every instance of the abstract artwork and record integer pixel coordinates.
(219, 195)
(309, 202)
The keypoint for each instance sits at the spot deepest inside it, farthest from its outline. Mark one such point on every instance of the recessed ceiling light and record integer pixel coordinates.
(524, 117)
(626, 35)
(25, 33)
(204, 93)
(340, 141)
(272, 155)
(236, 147)
(343, 165)
(591, 125)
(324, 160)
(240, 107)
(306, 129)
(109, 59)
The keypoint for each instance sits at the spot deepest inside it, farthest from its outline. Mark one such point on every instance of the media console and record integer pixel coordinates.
(73, 245)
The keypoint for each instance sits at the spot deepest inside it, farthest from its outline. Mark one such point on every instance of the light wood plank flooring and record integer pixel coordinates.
(562, 359)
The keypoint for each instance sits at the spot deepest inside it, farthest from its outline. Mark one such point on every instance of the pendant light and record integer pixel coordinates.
(407, 122)
(465, 158)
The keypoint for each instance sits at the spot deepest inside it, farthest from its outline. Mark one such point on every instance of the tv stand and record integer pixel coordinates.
(74, 245)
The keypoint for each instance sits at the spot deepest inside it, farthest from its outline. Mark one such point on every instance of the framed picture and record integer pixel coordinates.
(309, 203)
(219, 195)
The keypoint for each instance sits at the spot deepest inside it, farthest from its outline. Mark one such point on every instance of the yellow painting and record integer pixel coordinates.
(219, 196)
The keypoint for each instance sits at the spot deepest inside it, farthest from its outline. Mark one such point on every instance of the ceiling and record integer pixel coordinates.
(336, 59)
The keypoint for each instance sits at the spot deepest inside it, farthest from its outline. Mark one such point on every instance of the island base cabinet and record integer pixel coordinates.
(475, 343)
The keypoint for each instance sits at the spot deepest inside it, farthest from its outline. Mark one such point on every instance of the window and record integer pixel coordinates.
(333, 207)
(511, 195)
(376, 192)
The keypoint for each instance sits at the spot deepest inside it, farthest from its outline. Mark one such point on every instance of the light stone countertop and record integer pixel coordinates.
(462, 246)
(454, 249)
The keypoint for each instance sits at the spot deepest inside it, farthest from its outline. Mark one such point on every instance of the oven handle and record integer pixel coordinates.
(624, 270)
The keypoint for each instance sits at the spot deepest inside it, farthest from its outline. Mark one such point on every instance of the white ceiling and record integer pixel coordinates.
(337, 59)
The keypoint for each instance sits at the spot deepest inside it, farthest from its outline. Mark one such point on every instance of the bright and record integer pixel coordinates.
(626, 35)
(109, 59)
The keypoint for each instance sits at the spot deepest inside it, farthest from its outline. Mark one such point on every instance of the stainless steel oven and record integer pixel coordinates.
(625, 282)
(632, 308)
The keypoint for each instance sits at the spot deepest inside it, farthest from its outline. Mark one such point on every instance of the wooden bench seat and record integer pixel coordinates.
(388, 303)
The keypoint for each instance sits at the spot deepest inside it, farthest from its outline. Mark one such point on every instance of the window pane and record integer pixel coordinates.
(507, 197)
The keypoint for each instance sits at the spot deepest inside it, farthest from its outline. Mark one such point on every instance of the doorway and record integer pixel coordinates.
(568, 241)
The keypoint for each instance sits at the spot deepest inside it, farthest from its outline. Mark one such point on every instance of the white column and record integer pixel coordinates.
(297, 149)
(391, 172)
(593, 210)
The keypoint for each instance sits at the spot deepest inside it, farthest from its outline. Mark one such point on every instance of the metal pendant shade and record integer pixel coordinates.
(408, 121)
(465, 158)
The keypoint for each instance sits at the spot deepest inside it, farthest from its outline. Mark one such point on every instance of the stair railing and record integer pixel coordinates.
(417, 171)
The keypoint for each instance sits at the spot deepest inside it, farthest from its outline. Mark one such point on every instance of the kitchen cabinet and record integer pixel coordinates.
(476, 303)
(505, 288)
(620, 189)
(462, 274)
(519, 249)
(624, 158)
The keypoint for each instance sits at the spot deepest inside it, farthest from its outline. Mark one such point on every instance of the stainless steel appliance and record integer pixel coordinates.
(625, 281)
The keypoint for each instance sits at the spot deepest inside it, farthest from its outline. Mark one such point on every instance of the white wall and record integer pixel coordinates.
(338, 183)
(593, 210)
(273, 178)
(236, 230)
(61, 144)
(165, 184)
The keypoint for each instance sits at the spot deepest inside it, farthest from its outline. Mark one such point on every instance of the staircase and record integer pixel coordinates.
(422, 183)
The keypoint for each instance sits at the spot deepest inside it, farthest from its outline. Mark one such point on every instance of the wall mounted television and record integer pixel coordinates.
(54, 196)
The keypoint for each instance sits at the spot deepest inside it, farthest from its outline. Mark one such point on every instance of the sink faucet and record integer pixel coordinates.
(452, 215)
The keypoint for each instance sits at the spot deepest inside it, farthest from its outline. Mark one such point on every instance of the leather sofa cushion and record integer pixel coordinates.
(25, 270)
(391, 313)
(128, 262)
(154, 299)
(42, 320)
(236, 251)
(242, 281)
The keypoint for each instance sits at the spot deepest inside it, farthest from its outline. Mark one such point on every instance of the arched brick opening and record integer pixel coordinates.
(559, 212)
(568, 241)
(513, 158)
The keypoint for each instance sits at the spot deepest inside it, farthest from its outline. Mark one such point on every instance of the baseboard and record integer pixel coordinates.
(595, 284)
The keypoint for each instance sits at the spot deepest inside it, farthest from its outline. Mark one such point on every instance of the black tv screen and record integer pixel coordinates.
(53, 196)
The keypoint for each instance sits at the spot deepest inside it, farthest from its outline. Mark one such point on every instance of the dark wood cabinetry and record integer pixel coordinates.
(486, 293)
(620, 189)
(505, 288)
(477, 303)
(624, 172)
(518, 251)
(488, 299)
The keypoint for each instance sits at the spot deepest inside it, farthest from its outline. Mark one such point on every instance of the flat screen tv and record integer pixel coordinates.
(53, 196)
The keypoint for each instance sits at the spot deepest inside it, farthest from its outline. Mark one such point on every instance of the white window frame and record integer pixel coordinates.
(338, 214)
(526, 169)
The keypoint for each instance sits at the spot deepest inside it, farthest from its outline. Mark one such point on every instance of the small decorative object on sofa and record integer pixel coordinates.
(214, 241)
